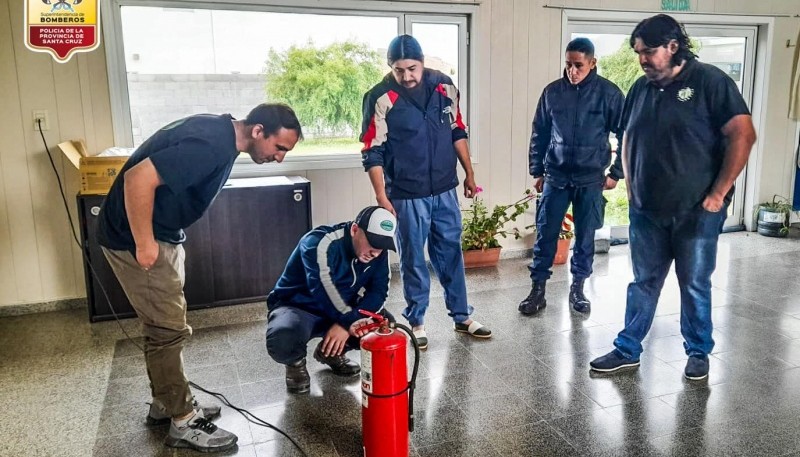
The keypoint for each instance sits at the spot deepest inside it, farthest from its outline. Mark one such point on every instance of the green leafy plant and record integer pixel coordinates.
(482, 228)
(778, 204)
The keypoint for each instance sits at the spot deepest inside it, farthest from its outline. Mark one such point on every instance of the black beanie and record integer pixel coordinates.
(404, 47)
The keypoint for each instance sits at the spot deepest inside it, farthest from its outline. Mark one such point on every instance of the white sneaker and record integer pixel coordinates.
(201, 435)
(422, 338)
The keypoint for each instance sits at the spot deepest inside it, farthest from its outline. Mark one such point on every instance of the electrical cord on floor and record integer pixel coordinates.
(250, 417)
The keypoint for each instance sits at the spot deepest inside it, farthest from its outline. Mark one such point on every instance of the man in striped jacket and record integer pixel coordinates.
(333, 272)
(413, 134)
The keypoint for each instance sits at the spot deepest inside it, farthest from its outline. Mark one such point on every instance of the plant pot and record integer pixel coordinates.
(476, 258)
(562, 252)
(772, 223)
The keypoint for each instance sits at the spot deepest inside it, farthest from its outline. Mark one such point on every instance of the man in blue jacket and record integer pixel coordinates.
(333, 273)
(413, 135)
(568, 157)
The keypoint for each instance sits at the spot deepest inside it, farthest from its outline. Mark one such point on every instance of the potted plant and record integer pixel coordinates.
(773, 217)
(565, 237)
(481, 229)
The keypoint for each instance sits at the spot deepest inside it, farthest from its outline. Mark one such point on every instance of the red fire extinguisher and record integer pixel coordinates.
(387, 395)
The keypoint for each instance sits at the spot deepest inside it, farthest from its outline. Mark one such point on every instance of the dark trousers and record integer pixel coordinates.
(588, 208)
(690, 238)
(290, 329)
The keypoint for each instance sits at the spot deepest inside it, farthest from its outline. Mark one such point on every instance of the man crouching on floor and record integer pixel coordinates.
(333, 272)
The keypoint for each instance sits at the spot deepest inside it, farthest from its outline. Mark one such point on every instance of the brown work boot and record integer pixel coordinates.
(341, 365)
(297, 379)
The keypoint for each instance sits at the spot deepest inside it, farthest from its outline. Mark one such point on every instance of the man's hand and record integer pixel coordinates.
(609, 183)
(356, 329)
(384, 201)
(334, 341)
(713, 203)
(470, 188)
(146, 255)
(538, 184)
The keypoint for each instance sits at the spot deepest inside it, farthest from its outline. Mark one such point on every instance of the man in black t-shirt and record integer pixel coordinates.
(165, 186)
(688, 134)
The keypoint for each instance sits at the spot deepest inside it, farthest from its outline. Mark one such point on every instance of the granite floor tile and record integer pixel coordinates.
(439, 424)
(145, 442)
(475, 384)
(563, 400)
(534, 439)
(128, 366)
(526, 391)
(500, 412)
(469, 447)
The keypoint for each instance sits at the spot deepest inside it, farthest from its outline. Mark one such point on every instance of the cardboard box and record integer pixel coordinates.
(97, 173)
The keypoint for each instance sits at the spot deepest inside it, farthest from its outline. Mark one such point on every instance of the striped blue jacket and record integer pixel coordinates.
(413, 144)
(324, 277)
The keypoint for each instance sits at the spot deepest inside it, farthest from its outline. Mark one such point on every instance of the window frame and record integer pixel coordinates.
(406, 14)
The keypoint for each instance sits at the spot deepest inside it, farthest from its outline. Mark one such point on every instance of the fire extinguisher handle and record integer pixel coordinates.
(376, 316)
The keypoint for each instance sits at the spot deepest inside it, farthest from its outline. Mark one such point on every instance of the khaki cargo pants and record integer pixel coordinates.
(157, 296)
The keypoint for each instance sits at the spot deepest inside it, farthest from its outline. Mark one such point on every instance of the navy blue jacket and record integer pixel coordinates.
(413, 143)
(569, 142)
(324, 277)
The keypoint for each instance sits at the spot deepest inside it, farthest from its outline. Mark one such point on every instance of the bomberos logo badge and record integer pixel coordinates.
(61, 27)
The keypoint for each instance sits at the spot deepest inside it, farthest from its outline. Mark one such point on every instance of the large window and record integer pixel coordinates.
(170, 60)
(730, 48)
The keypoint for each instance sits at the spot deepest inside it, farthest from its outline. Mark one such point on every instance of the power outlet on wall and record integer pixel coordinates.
(40, 115)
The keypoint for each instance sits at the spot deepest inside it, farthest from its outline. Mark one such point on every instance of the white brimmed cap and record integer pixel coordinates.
(379, 226)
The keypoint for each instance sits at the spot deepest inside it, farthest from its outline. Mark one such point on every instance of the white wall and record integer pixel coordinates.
(518, 52)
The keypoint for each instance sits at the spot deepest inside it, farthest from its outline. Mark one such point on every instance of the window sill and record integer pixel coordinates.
(246, 168)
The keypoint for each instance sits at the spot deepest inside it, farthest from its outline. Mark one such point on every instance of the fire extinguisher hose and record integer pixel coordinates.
(412, 383)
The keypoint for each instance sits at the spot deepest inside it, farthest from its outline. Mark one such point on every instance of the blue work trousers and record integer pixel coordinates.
(437, 220)
(290, 329)
(690, 238)
(588, 207)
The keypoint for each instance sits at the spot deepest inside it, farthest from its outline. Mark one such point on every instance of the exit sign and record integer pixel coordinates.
(676, 5)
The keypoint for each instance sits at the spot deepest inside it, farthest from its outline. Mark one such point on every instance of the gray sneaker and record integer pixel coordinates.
(159, 416)
(201, 435)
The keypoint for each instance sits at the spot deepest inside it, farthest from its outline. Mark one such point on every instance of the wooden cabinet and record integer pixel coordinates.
(234, 253)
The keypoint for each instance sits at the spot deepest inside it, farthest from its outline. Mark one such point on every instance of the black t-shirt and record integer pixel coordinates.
(194, 157)
(675, 145)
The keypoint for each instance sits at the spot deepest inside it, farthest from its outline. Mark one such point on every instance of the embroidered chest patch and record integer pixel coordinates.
(685, 94)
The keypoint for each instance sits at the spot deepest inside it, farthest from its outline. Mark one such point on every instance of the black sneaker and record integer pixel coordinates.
(535, 301)
(159, 416)
(577, 299)
(696, 368)
(341, 365)
(201, 435)
(612, 361)
(297, 379)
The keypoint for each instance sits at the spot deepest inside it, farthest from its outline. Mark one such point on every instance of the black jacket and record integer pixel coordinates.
(413, 143)
(569, 143)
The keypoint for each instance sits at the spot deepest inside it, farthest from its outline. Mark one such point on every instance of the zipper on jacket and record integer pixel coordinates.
(571, 161)
(353, 269)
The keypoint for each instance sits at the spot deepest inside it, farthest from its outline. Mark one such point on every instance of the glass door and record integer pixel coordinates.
(730, 48)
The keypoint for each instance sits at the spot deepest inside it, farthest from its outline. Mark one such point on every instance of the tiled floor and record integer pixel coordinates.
(78, 389)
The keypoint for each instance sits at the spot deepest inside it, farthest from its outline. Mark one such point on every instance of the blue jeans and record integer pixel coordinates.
(436, 220)
(690, 238)
(588, 207)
